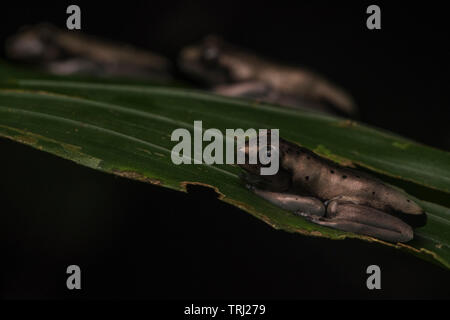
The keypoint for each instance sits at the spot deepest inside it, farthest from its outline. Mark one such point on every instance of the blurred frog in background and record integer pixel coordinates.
(66, 52)
(234, 72)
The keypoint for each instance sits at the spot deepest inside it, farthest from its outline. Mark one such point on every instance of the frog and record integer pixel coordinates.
(232, 71)
(64, 52)
(330, 194)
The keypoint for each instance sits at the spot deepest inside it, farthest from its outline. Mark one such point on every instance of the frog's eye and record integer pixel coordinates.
(211, 55)
(269, 151)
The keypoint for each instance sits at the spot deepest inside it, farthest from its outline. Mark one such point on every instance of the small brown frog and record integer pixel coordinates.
(335, 196)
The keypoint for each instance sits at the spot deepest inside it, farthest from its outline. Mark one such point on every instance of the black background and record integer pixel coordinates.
(134, 240)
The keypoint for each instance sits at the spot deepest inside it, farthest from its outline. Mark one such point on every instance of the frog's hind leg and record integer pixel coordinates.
(292, 202)
(365, 220)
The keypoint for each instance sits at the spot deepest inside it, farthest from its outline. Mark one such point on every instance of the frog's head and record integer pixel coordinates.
(33, 44)
(203, 61)
(253, 150)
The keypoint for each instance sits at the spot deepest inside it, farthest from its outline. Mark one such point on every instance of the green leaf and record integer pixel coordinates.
(126, 130)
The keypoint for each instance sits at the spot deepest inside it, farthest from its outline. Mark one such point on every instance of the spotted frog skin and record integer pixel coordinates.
(335, 196)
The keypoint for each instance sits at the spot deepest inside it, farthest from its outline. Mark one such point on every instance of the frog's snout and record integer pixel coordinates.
(249, 147)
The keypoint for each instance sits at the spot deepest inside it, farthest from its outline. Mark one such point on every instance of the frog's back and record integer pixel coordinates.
(328, 180)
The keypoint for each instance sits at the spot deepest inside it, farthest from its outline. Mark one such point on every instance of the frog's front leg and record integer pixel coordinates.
(300, 205)
(364, 220)
(248, 89)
